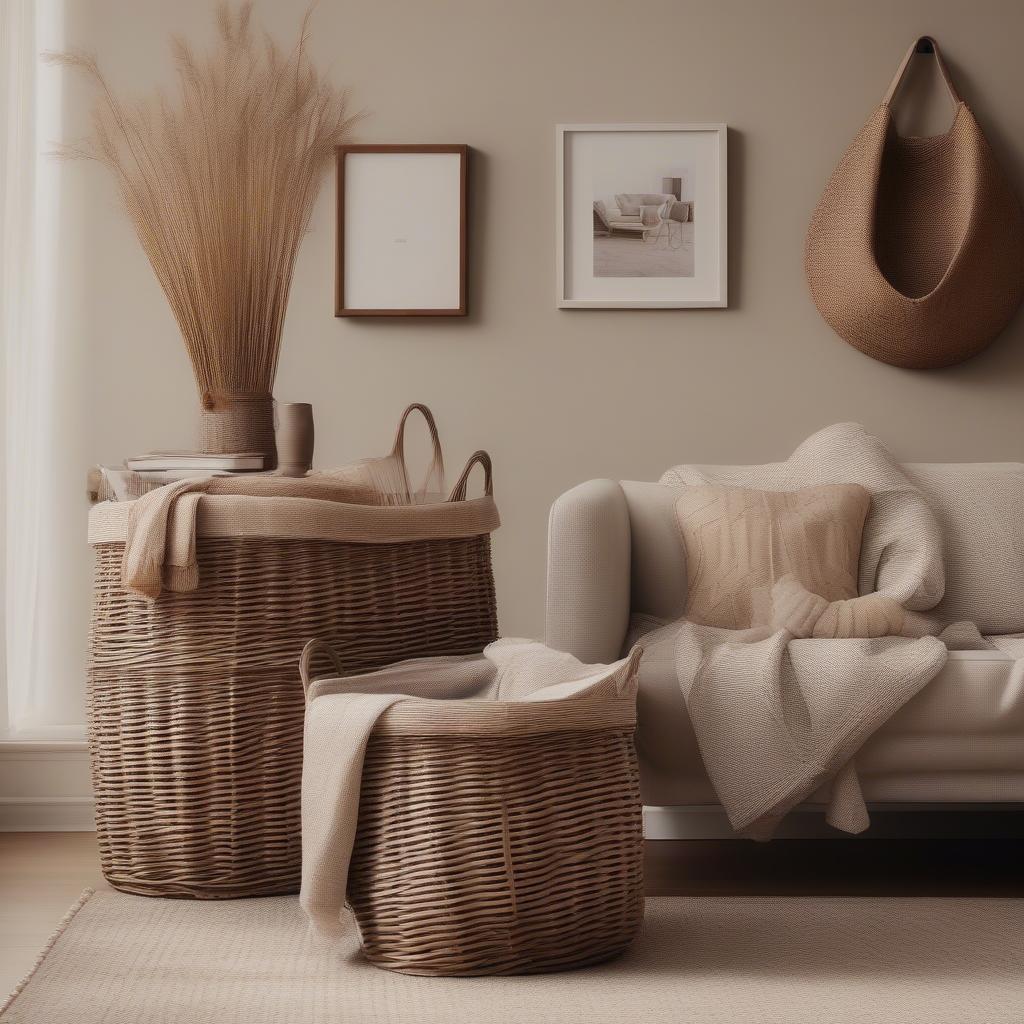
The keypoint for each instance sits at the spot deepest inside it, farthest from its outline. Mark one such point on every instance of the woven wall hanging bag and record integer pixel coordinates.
(915, 253)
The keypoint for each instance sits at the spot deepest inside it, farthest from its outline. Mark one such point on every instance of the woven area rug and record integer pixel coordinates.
(121, 959)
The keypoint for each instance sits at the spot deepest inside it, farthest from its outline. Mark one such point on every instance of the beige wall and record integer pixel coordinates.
(561, 396)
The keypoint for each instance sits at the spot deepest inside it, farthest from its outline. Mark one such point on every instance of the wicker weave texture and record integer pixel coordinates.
(195, 703)
(914, 252)
(498, 855)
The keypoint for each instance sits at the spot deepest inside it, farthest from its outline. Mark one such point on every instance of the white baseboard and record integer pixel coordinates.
(45, 786)
(47, 814)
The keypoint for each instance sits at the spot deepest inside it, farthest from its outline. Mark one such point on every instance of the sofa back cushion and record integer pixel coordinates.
(980, 509)
(630, 202)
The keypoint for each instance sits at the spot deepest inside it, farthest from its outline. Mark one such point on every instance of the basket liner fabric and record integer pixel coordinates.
(518, 688)
(914, 252)
(159, 530)
(288, 518)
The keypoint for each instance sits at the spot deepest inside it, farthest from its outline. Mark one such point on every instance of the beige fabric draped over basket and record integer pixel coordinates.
(195, 702)
(915, 253)
(494, 836)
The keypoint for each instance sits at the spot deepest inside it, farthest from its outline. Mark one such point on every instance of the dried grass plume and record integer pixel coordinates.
(220, 181)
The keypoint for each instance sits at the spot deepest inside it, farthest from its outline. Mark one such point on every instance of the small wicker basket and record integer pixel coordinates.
(195, 705)
(500, 838)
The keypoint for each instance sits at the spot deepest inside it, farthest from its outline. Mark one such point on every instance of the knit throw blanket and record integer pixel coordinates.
(160, 550)
(779, 712)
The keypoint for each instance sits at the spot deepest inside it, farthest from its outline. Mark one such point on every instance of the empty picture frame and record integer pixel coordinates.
(402, 230)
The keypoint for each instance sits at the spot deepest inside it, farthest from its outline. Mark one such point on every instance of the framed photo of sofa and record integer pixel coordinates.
(641, 216)
(402, 230)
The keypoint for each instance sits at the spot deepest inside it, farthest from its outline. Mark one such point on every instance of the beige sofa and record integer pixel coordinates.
(614, 553)
(637, 213)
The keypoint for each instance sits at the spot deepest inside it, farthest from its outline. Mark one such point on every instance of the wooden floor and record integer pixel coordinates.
(42, 874)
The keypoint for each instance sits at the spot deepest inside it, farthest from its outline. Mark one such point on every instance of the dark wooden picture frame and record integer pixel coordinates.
(340, 308)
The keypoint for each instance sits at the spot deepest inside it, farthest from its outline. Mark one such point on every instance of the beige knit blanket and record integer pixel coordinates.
(777, 713)
(342, 713)
(160, 550)
(160, 528)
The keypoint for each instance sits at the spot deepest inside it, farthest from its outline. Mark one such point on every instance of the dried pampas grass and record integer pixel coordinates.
(220, 183)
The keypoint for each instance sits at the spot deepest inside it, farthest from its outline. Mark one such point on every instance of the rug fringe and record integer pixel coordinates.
(50, 942)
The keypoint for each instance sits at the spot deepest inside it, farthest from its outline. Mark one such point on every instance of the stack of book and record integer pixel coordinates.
(143, 473)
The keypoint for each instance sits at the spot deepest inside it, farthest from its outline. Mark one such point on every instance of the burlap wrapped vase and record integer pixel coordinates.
(230, 424)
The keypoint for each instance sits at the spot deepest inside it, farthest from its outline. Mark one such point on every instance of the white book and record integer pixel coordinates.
(196, 461)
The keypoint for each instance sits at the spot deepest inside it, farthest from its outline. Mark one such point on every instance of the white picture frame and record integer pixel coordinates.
(641, 216)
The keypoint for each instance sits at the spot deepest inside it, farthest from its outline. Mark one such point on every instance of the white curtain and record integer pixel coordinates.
(43, 530)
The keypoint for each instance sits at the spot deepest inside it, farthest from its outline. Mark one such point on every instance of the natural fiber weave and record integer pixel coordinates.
(195, 703)
(239, 423)
(498, 854)
(915, 250)
(699, 960)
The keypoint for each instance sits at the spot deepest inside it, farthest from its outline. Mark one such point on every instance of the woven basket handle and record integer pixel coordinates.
(923, 45)
(398, 450)
(309, 652)
(480, 458)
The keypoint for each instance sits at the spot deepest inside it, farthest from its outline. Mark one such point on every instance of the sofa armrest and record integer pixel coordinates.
(588, 580)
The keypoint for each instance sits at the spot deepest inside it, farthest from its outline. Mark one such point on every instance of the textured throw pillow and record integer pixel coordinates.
(980, 509)
(739, 542)
(901, 553)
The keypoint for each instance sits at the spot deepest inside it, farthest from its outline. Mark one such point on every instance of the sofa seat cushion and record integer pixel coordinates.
(671, 769)
(980, 509)
(960, 739)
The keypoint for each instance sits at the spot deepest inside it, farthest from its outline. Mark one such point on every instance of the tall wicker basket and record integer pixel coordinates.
(499, 838)
(195, 702)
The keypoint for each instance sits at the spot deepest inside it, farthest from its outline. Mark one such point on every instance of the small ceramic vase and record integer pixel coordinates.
(294, 438)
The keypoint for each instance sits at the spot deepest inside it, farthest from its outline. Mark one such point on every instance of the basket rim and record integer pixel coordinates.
(608, 703)
(480, 718)
(241, 516)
